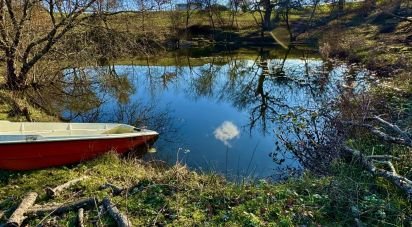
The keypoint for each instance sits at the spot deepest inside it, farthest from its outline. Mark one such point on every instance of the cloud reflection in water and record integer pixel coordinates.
(226, 131)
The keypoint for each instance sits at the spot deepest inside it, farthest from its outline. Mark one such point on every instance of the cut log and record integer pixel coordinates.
(80, 218)
(121, 219)
(53, 192)
(61, 208)
(18, 217)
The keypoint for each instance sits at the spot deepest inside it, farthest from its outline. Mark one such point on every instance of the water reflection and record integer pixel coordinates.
(226, 131)
(256, 106)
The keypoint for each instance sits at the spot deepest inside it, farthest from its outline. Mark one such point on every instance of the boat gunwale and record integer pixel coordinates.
(81, 138)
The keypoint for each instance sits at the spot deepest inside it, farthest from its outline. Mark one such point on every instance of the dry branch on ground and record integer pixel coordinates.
(53, 192)
(121, 219)
(368, 162)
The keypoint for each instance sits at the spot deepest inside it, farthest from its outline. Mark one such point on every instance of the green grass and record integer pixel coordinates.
(178, 197)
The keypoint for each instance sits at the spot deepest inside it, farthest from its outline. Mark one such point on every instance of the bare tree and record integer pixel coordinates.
(284, 8)
(29, 29)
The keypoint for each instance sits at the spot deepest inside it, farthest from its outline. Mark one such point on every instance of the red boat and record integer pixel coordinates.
(27, 145)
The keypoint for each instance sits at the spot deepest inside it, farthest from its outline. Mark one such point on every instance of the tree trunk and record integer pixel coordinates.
(341, 6)
(12, 79)
(289, 28)
(368, 7)
(266, 18)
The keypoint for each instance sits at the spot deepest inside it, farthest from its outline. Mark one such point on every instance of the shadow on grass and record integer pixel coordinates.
(5, 176)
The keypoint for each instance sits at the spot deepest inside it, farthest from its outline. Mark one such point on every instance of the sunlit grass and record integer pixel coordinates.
(176, 196)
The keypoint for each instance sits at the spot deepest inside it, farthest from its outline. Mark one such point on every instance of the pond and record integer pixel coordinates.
(223, 114)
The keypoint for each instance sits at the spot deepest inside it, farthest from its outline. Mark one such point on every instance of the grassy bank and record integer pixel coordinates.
(179, 197)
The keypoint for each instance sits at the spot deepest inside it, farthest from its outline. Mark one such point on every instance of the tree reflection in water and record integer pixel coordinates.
(271, 91)
(290, 100)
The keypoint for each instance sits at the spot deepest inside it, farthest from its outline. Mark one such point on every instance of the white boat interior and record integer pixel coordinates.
(43, 131)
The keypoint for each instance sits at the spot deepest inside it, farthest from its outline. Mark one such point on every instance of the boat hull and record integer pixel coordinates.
(44, 154)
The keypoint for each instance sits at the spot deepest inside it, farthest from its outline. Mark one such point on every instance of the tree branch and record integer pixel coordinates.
(406, 136)
(401, 182)
(380, 134)
(53, 36)
(53, 192)
(121, 219)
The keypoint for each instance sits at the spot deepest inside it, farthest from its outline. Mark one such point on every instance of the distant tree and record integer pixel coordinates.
(161, 3)
(143, 6)
(191, 7)
(284, 8)
(264, 8)
(107, 5)
(268, 6)
(234, 6)
(341, 6)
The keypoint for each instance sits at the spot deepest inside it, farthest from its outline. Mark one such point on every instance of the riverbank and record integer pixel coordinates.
(174, 195)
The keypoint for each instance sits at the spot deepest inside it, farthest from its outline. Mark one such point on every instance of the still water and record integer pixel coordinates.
(220, 114)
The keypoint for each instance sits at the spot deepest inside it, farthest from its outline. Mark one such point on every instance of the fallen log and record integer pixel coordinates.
(53, 192)
(18, 215)
(392, 176)
(121, 219)
(61, 208)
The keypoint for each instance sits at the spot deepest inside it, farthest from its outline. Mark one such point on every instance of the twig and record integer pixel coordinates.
(158, 214)
(393, 170)
(121, 219)
(383, 157)
(53, 192)
(18, 217)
